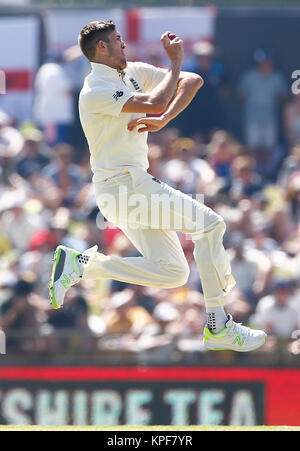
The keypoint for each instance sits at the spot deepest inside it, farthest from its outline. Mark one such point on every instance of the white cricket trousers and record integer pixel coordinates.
(150, 212)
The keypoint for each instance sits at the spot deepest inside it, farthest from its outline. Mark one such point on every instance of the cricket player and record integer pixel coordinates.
(115, 105)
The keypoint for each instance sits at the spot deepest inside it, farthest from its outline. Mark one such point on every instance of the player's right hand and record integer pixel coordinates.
(173, 48)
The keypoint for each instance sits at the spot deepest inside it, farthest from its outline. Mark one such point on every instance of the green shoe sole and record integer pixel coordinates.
(56, 260)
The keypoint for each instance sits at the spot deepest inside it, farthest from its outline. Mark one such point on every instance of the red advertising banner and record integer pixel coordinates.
(130, 395)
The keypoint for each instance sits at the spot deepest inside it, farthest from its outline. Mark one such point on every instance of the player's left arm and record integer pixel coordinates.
(187, 87)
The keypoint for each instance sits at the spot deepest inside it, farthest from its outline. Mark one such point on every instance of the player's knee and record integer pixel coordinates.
(215, 225)
(183, 274)
(178, 275)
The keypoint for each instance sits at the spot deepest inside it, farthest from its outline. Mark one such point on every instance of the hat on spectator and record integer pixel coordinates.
(121, 298)
(41, 238)
(61, 219)
(4, 118)
(12, 199)
(12, 141)
(283, 283)
(32, 134)
(203, 48)
(8, 279)
(262, 55)
(165, 311)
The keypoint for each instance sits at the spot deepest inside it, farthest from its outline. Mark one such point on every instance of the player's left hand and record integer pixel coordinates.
(150, 124)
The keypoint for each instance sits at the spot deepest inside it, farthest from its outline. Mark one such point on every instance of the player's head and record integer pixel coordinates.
(100, 42)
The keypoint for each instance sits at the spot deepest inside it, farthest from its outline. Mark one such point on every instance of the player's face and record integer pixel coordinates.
(116, 47)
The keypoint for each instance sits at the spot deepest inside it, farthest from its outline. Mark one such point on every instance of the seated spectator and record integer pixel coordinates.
(18, 224)
(11, 144)
(250, 268)
(261, 240)
(291, 117)
(237, 304)
(222, 150)
(274, 312)
(64, 174)
(74, 314)
(290, 165)
(34, 155)
(160, 336)
(123, 315)
(19, 316)
(206, 112)
(246, 181)
(293, 197)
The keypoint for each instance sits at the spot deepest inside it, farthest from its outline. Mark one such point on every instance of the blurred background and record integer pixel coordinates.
(238, 143)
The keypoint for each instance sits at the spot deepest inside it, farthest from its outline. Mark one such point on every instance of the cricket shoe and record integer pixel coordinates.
(66, 272)
(234, 337)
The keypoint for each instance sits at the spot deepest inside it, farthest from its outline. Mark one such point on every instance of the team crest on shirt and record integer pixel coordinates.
(117, 95)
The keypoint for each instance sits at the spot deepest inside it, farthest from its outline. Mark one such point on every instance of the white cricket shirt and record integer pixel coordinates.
(112, 146)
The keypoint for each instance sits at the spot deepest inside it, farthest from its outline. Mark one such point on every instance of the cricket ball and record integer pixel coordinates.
(171, 36)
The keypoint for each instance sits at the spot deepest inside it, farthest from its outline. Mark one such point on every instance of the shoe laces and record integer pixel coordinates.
(238, 329)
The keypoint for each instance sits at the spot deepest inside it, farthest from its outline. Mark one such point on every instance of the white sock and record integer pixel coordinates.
(216, 319)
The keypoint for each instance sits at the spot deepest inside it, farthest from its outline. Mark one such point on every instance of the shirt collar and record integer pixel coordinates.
(103, 69)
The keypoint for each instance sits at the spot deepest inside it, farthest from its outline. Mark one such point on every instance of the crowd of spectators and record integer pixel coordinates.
(46, 198)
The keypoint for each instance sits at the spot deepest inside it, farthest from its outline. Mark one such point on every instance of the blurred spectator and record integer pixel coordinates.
(74, 315)
(65, 174)
(19, 315)
(274, 312)
(18, 224)
(246, 181)
(293, 198)
(160, 337)
(124, 316)
(261, 89)
(185, 171)
(261, 240)
(34, 155)
(250, 268)
(238, 305)
(289, 166)
(11, 143)
(76, 67)
(222, 151)
(54, 100)
(292, 121)
(206, 111)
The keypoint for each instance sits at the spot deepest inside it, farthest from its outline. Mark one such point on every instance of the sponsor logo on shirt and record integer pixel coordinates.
(117, 95)
(135, 84)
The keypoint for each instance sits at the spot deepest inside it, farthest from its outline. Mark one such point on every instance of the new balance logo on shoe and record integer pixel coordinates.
(65, 281)
(239, 341)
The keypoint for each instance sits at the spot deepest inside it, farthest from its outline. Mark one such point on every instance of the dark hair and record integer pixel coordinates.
(92, 33)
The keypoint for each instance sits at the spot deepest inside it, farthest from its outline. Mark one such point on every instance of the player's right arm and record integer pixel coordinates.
(157, 101)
